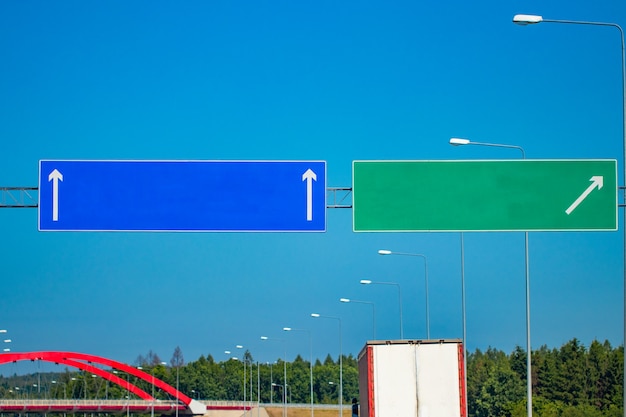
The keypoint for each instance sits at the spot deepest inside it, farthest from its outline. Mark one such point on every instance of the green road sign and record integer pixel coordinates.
(495, 195)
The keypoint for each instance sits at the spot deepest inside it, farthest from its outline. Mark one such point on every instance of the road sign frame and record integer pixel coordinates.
(380, 192)
(224, 189)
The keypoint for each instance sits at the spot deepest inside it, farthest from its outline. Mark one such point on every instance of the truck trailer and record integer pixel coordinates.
(412, 378)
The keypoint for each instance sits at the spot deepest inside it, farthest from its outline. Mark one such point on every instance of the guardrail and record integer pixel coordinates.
(307, 406)
(119, 406)
(102, 406)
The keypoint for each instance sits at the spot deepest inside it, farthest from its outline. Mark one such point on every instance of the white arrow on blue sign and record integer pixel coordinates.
(186, 196)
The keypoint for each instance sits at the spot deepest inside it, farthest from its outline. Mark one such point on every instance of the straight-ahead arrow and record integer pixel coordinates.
(596, 181)
(55, 176)
(309, 176)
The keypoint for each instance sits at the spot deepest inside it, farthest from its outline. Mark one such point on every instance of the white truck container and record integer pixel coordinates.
(412, 378)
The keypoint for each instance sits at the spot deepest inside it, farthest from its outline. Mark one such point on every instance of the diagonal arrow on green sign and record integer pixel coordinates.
(494, 195)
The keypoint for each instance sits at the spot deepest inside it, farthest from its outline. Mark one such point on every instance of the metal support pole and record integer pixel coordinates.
(533, 19)
(464, 321)
(529, 389)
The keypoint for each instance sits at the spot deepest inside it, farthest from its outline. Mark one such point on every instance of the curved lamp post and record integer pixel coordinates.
(388, 252)
(243, 360)
(529, 386)
(284, 370)
(526, 19)
(461, 141)
(289, 329)
(316, 315)
(368, 282)
(348, 300)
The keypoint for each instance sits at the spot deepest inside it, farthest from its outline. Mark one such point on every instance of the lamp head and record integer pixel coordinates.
(527, 19)
(264, 338)
(239, 346)
(365, 281)
(287, 329)
(316, 315)
(344, 300)
(459, 141)
(384, 252)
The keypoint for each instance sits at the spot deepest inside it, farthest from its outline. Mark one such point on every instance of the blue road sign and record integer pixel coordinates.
(219, 196)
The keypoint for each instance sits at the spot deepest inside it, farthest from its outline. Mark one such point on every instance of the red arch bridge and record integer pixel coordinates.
(145, 404)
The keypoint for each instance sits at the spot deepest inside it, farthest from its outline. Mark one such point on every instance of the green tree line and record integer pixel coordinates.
(570, 381)
(203, 379)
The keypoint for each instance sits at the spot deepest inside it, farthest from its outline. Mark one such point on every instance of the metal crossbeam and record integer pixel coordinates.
(18, 197)
(339, 197)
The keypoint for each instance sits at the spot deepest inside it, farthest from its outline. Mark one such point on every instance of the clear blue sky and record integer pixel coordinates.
(300, 80)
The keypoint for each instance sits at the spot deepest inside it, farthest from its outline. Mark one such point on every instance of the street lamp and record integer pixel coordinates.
(271, 382)
(368, 282)
(388, 252)
(529, 387)
(316, 315)
(153, 399)
(243, 359)
(73, 386)
(177, 364)
(127, 391)
(152, 377)
(525, 19)
(348, 300)
(284, 371)
(289, 329)
(461, 142)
